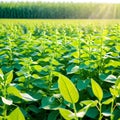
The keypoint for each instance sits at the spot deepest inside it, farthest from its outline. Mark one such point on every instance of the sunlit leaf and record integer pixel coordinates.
(97, 90)
(16, 115)
(107, 114)
(6, 101)
(37, 68)
(108, 101)
(9, 77)
(72, 69)
(89, 102)
(67, 114)
(14, 91)
(114, 92)
(27, 97)
(67, 89)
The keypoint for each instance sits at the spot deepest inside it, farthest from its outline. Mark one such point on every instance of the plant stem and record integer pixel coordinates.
(112, 108)
(100, 105)
(75, 111)
(5, 112)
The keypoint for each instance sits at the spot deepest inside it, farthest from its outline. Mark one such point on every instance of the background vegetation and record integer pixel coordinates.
(59, 10)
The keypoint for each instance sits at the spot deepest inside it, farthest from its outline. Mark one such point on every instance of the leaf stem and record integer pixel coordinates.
(75, 111)
(100, 109)
(112, 108)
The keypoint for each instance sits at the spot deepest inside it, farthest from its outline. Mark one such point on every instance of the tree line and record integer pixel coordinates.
(59, 10)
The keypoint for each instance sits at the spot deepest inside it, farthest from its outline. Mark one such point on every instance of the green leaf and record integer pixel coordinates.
(108, 78)
(35, 76)
(114, 92)
(76, 54)
(111, 79)
(37, 68)
(14, 91)
(33, 108)
(81, 113)
(27, 97)
(16, 115)
(6, 101)
(72, 69)
(108, 101)
(89, 102)
(53, 115)
(97, 90)
(67, 89)
(9, 77)
(67, 114)
(50, 103)
(91, 111)
(40, 84)
(106, 114)
(83, 84)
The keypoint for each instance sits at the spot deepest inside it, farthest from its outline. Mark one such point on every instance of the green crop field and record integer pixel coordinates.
(59, 69)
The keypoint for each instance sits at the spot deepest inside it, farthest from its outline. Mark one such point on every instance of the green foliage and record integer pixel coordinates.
(58, 11)
(67, 89)
(16, 115)
(59, 70)
(97, 90)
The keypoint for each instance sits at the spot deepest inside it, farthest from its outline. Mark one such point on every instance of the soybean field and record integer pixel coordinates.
(59, 70)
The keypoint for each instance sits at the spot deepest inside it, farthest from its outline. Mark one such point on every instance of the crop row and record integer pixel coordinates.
(51, 72)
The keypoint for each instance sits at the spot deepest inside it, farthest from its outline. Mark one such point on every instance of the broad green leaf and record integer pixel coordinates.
(108, 101)
(89, 102)
(97, 90)
(6, 101)
(83, 84)
(67, 114)
(37, 68)
(40, 84)
(76, 54)
(27, 97)
(67, 89)
(9, 77)
(55, 62)
(108, 78)
(72, 69)
(16, 115)
(36, 76)
(50, 103)
(111, 79)
(14, 91)
(106, 114)
(91, 111)
(114, 92)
